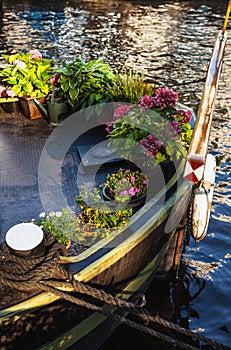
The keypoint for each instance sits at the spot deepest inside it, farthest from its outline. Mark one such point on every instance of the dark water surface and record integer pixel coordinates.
(172, 41)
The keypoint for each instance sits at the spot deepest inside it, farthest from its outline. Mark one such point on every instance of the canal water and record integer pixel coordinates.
(172, 42)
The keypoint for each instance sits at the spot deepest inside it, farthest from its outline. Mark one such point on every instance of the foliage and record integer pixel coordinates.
(125, 184)
(130, 86)
(61, 225)
(153, 131)
(84, 84)
(28, 74)
(97, 214)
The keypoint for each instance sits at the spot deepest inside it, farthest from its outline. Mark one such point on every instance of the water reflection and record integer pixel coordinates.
(172, 41)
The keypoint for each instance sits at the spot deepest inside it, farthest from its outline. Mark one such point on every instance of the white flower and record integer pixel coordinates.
(42, 215)
(51, 214)
(58, 214)
(20, 64)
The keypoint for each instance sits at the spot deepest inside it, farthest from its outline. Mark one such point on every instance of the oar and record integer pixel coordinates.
(198, 148)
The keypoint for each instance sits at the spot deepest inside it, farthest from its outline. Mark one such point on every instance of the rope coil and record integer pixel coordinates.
(41, 273)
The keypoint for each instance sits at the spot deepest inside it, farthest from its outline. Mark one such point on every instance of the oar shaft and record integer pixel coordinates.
(227, 17)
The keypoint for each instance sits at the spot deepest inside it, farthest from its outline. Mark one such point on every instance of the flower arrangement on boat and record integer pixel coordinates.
(95, 220)
(157, 129)
(96, 212)
(61, 224)
(125, 184)
(28, 74)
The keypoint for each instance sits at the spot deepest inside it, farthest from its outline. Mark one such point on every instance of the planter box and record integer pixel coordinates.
(30, 108)
(10, 105)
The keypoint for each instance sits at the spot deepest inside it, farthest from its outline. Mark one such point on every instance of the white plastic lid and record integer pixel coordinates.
(24, 236)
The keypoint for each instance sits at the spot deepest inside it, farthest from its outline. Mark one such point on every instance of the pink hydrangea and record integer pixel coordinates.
(35, 54)
(165, 97)
(20, 64)
(121, 111)
(10, 92)
(146, 102)
(151, 146)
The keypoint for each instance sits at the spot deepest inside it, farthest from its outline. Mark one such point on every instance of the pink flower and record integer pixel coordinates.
(123, 179)
(151, 146)
(121, 111)
(109, 126)
(165, 97)
(124, 192)
(20, 64)
(35, 54)
(146, 102)
(132, 191)
(10, 92)
(55, 79)
(133, 178)
(2, 91)
(111, 191)
(185, 116)
(144, 182)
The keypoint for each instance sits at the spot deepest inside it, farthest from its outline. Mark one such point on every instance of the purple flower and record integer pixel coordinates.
(165, 97)
(121, 111)
(110, 191)
(109, 126)
(151, 146)
(146, 102)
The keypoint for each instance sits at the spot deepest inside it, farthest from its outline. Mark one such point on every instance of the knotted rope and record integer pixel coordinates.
(44, 273)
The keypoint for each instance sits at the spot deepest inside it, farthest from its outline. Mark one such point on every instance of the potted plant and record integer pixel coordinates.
(8, 100)
(126, 185)
(29, 75)
(85, 84)
(97, 219)
(130, 86)
(61, 224)
(152, 132)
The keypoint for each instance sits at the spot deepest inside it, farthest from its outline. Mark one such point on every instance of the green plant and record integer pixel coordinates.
(98, 216)
(130, 86)
(62, 225)
(125, 184)
(154, 131)
(84, 84)
(28, 74)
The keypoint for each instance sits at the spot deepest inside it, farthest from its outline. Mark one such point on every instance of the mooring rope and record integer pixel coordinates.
(38, 273)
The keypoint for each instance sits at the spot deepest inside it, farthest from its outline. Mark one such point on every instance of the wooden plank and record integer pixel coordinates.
(198, 148)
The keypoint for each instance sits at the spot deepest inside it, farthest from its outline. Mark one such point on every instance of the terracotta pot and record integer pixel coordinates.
(30, 109)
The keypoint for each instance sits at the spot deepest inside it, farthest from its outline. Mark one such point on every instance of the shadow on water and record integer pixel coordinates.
(172, 42)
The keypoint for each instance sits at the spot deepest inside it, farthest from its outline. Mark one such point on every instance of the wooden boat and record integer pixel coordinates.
(123, 265)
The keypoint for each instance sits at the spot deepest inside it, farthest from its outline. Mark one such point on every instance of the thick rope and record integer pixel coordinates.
(39, 273)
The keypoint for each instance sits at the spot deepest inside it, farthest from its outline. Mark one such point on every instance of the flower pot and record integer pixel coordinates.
(57, 112)
(135, 202)
(30, 108)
